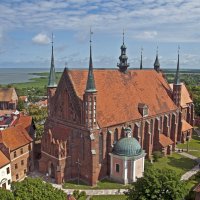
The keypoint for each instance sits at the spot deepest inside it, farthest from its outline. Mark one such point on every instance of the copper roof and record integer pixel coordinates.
(14, 137)
(7, 94)
(164, 140)
(3, 160)
(118, 94)
(185, 126)
(185, 96)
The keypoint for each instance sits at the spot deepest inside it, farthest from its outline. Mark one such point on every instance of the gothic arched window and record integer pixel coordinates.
(100, 147)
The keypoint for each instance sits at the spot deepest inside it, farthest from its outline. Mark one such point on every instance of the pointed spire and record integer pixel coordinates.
(90, 87)
(157, 63)
(141, 66)
(177, 76)
(52, 74)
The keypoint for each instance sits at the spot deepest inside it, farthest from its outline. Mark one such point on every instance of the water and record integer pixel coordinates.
(20, 75)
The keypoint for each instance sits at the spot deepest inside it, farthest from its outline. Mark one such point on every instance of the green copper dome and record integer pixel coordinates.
(127, 147)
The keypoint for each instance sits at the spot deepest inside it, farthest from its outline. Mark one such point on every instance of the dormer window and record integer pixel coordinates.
(143, 109)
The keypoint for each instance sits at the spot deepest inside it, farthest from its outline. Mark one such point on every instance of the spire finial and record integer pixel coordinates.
(52, 75)
(90, 86)
(52, 38)
(91, 36)
(141, 66)
(177, 76)
(123, 35)
(157, 51)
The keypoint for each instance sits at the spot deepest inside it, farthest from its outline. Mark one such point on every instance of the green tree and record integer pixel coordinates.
(20, 105)
(36, 189)
(158, 184)
(6, 194)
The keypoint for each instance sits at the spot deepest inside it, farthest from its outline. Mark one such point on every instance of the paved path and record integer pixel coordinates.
(89, 192)
(194, 170)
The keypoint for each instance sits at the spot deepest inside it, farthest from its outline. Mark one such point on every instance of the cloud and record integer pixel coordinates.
(41, 38)
(146, 35)
(107, 16)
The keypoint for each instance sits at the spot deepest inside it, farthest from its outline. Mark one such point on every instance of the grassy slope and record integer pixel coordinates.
(194, 144)
(176, 162)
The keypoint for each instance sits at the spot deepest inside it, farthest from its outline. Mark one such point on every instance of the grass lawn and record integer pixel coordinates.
(109, 197)
(175, 162)
(104, 184)
(194, 144)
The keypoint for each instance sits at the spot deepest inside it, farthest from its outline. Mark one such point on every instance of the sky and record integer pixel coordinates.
(26, 27)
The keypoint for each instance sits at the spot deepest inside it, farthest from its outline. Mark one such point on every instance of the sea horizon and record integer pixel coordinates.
(21, 75)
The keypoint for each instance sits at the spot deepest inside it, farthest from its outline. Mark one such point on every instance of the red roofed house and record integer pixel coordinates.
(8, 99)
(89, 111)
(17, 145)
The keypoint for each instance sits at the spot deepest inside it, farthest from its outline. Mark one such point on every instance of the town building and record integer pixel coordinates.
(17, 145)
(89, 112)
(5, 172)
(8, 99)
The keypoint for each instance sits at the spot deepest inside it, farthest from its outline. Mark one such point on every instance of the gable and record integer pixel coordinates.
(119, 94)
(185, 96)
(66, 103)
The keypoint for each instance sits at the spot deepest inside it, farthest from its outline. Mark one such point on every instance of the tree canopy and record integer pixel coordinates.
(36, 189)
(6, 194)
(162, 184)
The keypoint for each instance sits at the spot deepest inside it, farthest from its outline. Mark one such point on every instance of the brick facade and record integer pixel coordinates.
(75, 130)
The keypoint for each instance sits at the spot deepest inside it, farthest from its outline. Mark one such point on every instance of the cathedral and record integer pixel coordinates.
(104, 122)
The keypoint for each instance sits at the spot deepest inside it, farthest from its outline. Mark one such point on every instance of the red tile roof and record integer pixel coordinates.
(3, 160)
(25, 121)
(15, 137)
(164, 140)
(185, 126)
(119, 94)
(185, 96)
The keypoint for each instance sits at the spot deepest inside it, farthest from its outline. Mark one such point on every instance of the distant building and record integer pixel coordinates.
(8, 99)
(90, 110)
(5, 172)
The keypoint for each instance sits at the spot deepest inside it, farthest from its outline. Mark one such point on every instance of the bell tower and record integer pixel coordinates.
(123, 58)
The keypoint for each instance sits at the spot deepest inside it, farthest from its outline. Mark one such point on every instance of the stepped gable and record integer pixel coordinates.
(15, 137)
(185, 96)
(120, 93)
